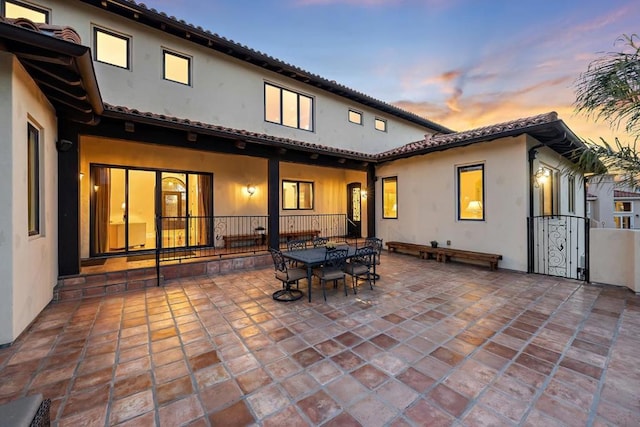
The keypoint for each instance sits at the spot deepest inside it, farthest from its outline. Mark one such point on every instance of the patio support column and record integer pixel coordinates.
(68, 200)
(371, 200)
(273, 203)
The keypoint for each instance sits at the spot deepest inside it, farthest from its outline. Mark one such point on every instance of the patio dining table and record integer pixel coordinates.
(314, 257)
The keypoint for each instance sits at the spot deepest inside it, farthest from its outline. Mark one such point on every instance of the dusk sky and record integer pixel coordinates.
(461, 63)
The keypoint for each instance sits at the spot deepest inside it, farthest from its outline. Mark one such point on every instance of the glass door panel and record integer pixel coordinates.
(174, 210)
(200, 210)
(139, 210)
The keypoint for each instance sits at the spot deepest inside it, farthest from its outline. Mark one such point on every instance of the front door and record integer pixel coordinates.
(354, 211)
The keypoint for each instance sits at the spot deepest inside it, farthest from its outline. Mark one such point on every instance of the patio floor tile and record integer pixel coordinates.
(432, 344)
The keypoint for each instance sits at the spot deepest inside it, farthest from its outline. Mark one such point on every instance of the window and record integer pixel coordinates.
(545, 180)
(33, 179)
(380, 125)
(623, 207)
(288, 108)
(471, 192)
(390, 197)
(297, 195)
(355, 117)
(111, 48)
(18, 9)
(176, 68)
(572, 194)
(622, 221)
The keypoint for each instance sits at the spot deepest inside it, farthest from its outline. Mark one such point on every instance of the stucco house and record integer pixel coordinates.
(125, 130)
(610, 205)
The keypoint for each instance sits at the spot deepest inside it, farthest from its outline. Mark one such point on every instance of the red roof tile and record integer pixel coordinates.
(60, 32)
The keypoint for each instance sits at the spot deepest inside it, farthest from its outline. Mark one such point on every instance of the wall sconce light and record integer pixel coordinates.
(96, 188)
(363, 194)
(251, 189)
(541, 176)
(81, 175)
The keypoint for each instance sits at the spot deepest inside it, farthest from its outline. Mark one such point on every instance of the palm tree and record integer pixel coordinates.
(610, 91)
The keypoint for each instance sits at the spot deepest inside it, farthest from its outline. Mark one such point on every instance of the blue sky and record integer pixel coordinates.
(461, 63)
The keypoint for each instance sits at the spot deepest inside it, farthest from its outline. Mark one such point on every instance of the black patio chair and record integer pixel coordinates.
(320, 241)
(375, 244)
(287, 276)
(296, 245)
(332, 269)
(360, 267)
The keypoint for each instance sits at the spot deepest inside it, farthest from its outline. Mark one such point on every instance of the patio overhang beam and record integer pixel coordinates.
(152, 130)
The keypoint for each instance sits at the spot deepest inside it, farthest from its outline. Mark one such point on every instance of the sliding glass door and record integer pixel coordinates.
(124, 206)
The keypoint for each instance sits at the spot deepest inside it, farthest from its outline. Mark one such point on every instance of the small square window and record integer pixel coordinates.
(111, 48)
(17, 9)
(355, 117)
(177, 68)
(381, 125)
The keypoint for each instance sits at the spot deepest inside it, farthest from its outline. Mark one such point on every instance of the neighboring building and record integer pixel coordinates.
(612, 206)
(152, 117)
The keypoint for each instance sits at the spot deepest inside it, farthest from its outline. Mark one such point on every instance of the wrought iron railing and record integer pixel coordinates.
(179, 238)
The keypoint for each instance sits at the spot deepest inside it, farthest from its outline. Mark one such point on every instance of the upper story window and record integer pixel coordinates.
(623, 207)
(33, 179)
(297, 195)
(390, 197)
(16, 9)
(288, 108)
(176, 67)
(111, 48)
(355, 117)
(471, 192)
(380, 124)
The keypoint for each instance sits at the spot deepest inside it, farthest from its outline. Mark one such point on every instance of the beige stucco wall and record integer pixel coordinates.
(427, 200)
(27, 263)
(225, 91)
(231, 175)
(614, 257)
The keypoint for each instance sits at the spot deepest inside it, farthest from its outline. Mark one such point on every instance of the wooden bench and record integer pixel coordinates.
(250, 239)
(405, 247)
(301, 234)
(445, 254)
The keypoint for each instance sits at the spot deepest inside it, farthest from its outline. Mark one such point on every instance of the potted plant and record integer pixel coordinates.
(330, 246)
(434, 243)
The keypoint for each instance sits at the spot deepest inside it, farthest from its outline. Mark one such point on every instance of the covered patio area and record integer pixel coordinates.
(431, 344)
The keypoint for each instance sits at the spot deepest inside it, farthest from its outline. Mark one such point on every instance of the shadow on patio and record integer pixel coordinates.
(433, 343)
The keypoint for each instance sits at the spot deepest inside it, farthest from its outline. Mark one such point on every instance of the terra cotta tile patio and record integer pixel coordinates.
(431, 344)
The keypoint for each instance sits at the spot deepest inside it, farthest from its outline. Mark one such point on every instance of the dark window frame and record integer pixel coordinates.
(384, 181)
(380, 120)
(111, 33)
(571, 194)
(468, 168)
(165, 52)
(281, 91)
(33, 179)
(297, 183)
(33, 7)
(360, 115)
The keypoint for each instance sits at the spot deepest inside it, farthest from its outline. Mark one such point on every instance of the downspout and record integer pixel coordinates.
(587, 231)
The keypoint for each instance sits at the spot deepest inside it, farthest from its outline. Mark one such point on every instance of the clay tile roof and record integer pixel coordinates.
(483, 133)
(620, 193)
(60, 32)
(231, 132)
